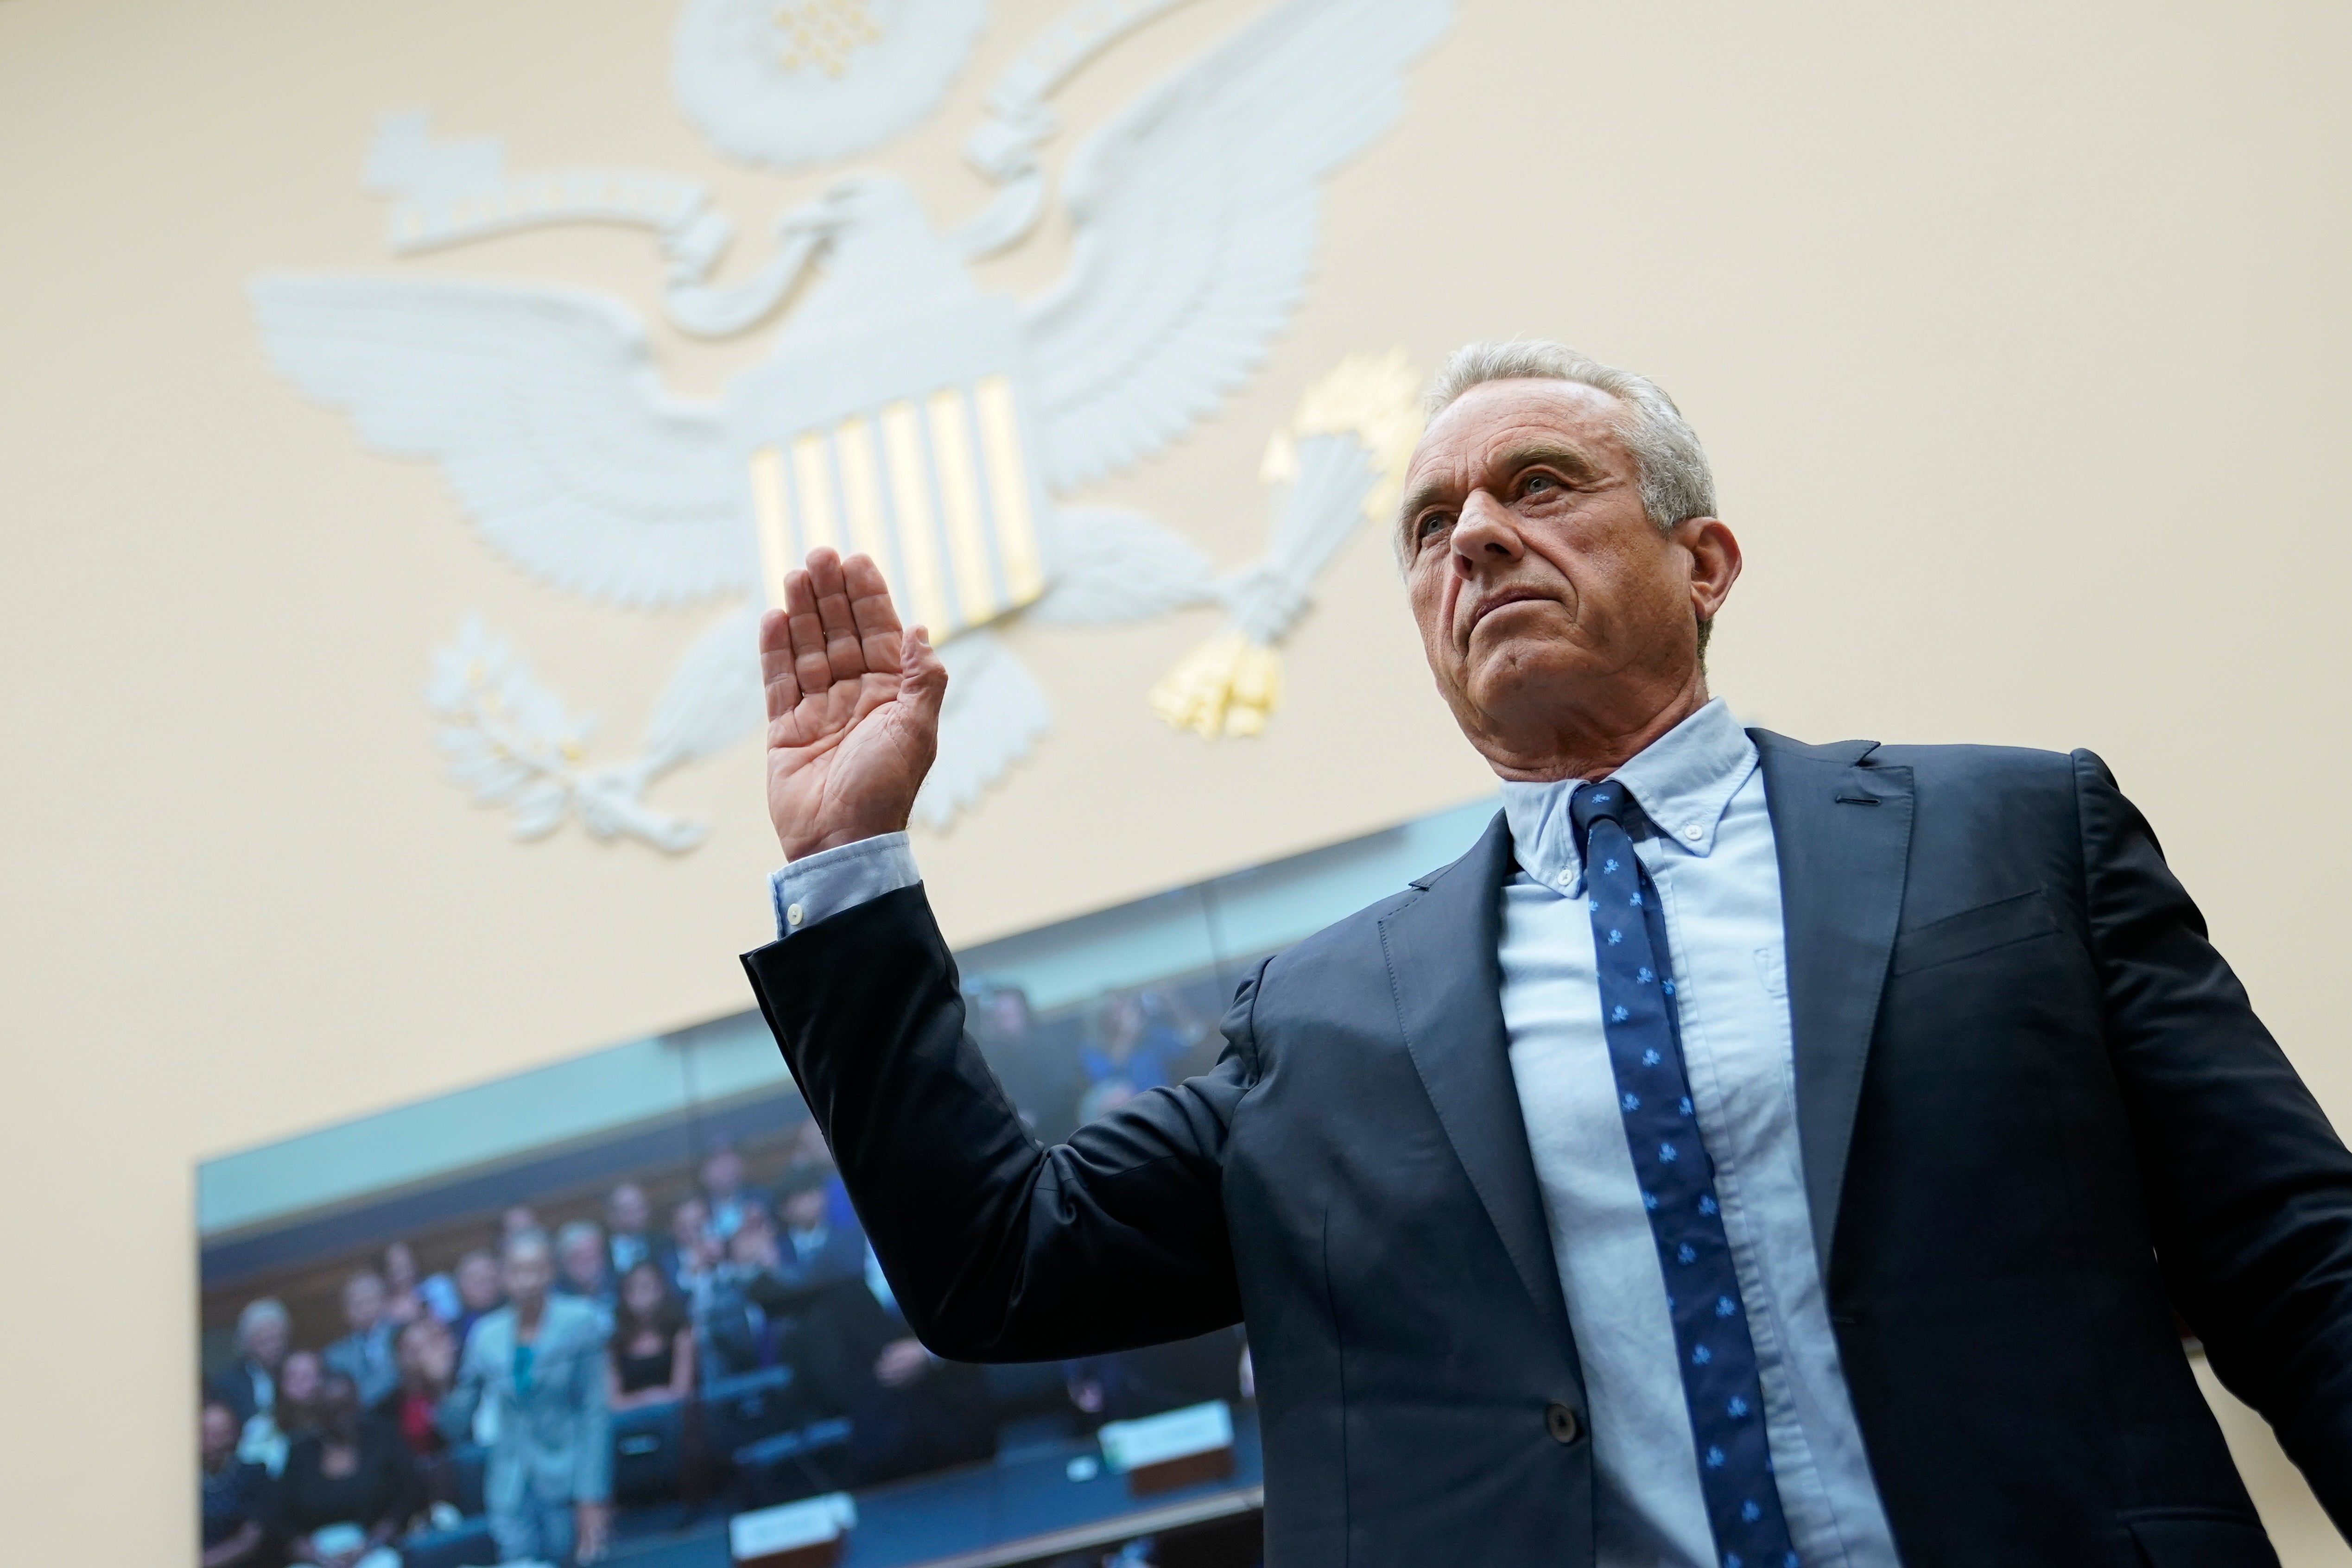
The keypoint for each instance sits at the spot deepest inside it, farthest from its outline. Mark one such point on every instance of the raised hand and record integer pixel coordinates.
(852, 707)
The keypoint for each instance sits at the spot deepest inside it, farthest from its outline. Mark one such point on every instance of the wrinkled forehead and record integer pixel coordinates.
(1477, 439)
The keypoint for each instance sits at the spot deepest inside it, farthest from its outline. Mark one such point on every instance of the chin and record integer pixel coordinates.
(1524, 672)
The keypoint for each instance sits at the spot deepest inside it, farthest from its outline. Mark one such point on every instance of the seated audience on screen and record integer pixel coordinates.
(909, 1410)
(428, 1365)
(236, 1502)
(354, 1473)
(724, 1191)
(581, 1269)
(817, 1245)
(250, 1385)
(479, 1293)
(365, 1354)
(629, 1237)
(650, 1359)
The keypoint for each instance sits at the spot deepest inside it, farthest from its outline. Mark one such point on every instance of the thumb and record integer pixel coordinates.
(922, 677)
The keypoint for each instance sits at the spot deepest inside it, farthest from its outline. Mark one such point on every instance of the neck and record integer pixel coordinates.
(528, 1312)
(1590, 744)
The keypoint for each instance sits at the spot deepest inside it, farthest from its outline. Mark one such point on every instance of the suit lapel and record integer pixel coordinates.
(1842, 831)
(1443, 952)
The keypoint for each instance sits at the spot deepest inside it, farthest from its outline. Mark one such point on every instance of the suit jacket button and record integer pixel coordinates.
(1560, 1422)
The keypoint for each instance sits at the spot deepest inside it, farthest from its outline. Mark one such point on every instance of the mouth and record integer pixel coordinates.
(1504, 600)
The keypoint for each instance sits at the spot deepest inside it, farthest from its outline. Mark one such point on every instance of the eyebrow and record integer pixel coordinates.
(1574, 462)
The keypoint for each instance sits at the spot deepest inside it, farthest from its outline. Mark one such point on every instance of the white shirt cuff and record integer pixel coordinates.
(817, 886)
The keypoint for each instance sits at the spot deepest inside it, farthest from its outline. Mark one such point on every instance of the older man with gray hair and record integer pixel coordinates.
(248, 1386)
(1750, 1153)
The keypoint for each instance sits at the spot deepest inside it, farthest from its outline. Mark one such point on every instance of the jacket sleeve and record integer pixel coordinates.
(2250, 1189)
(996, 1248)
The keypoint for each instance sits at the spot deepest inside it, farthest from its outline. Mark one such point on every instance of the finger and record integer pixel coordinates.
(810, 668)
(776, 663)
(923, 678)
(841, 649)
(876, 618)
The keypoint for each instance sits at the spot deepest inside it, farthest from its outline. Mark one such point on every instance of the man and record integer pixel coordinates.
(583, 1269)
(264, 1333)
(723, 1190)
(816, 1248)
(481, 1292)
(694, 1251)
(628, 1226)
(1750, 1153)
(738, 1333)
(540, 1361)
(366, 1355)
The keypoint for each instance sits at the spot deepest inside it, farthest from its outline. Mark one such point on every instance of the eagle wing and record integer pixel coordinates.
(543, 409)
(1195, 211)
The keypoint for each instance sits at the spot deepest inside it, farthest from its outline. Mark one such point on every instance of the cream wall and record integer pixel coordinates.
(2018, 334)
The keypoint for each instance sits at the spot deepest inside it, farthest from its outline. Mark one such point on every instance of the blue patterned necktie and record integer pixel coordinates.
(1720, 1383)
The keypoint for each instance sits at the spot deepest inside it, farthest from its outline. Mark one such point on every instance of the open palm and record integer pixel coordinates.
(852, 707)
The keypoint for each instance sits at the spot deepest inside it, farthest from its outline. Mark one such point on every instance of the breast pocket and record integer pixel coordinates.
(1973, 931)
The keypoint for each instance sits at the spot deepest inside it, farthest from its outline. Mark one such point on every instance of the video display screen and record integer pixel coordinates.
(634, 1281)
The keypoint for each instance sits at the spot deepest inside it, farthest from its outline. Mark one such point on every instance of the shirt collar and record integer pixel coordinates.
(1684, 781)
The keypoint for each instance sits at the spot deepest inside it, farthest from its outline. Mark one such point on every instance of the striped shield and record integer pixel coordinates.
(933, 477)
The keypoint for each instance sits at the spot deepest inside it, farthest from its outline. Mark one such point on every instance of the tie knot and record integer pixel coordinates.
(1607, 802)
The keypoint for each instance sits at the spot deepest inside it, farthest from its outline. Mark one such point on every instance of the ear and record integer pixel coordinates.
(1714, 562)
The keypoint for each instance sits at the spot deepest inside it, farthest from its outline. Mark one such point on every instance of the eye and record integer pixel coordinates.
(1430, 524)
(1537, 484)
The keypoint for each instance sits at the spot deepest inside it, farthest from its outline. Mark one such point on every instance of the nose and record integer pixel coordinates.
(1485, 535)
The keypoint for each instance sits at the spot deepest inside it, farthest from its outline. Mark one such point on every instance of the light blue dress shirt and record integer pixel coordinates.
(1718, 879)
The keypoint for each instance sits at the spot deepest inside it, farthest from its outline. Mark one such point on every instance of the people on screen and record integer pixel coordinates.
(350, 1486)
(538, 1364)
(429, 1366)
(248, 1386)
(235, 1491)
(581, 1269)
(326, 1444)
(481, 1292)
(650, 1358)
(365, 1354)
(405, 1297)
(629, 1238)
(724, 1191)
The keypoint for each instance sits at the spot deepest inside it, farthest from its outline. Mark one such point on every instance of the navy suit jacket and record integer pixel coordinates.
(2037, 1112)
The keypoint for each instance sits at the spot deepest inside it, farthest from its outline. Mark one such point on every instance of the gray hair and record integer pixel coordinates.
(265, 1310)
(1675, 480)
(530, 1239)
(576, 1231)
